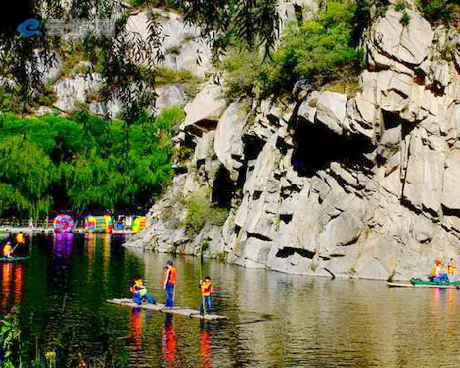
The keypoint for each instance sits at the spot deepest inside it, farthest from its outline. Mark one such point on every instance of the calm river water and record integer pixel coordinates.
(276, 320)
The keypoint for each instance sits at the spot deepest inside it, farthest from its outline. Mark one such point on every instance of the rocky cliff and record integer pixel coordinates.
(330, 185)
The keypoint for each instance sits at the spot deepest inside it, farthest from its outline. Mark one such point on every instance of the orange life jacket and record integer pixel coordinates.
(206, 288)
(450, 268)
(19, 238)
(169, 274)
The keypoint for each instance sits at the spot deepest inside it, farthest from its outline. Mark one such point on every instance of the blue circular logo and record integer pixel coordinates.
(29, 27)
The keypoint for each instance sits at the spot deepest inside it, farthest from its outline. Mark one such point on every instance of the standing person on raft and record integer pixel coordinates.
(140, 292)
(206, 294)
(169, 282)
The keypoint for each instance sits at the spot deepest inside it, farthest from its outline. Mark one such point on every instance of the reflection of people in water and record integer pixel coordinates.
(135, 326)
(12, 281)
(168, 342)
(205, 344)
(451, 301)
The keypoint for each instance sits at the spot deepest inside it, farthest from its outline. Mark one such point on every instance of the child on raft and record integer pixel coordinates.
(139, 291)
(206, 293)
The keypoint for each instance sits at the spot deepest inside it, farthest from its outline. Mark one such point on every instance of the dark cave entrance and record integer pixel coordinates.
(222, 189)
(316, 147)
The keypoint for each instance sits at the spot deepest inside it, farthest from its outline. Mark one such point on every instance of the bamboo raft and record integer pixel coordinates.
(186, 312)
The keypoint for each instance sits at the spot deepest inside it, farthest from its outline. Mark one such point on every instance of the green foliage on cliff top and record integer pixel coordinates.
(440, 10)
(83, 161)
(319, 51)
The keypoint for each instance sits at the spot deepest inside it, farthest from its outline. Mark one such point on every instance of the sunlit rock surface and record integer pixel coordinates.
(336, 186)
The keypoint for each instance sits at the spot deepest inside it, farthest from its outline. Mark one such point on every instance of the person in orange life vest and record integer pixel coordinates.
(451, 269)
(20, 240)
(206, 293)
(437, 273)
(8, 250)
(140, 292)
(169, 281)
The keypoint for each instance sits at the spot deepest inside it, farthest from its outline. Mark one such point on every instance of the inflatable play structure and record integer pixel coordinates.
(139, 223)
(108, 223)
(90, 224)
(63, 224)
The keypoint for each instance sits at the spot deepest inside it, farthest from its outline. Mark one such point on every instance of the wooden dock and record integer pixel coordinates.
(186, 312)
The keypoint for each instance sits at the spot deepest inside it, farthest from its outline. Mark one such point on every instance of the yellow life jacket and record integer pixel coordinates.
(206, 288)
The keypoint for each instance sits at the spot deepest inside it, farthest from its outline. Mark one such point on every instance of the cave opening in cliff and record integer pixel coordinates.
(222, 189)
(393, 120)
(316, 147)
(289, 251)
(252, 147)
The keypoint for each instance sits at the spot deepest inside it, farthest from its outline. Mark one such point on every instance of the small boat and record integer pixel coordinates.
(13, 259)
(418, 283)
(186, 312)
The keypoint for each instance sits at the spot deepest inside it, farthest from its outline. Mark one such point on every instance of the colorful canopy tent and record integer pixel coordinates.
(63, 224)
(90, 224)
(139, 223)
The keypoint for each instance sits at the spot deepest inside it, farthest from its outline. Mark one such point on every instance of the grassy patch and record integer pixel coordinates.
(200, 210)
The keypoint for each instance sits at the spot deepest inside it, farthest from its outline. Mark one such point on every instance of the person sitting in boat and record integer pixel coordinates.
(438, 274)
(20, 239)
(140, 293)
(8, 250)
(206, 293)
(451, 269)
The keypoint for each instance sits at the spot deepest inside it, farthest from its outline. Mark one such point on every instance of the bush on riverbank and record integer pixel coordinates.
(83, 162)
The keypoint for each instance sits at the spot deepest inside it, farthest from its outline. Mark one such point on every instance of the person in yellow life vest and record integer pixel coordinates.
(140, 292)
(206, 293)
(169, 282)
(20, 239)
(451, 269)
(437, 272)
(8, 250)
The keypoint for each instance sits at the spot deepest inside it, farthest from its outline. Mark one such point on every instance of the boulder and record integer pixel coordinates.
(228, 144)
(406, 43)
(205, 110)
(331, 110)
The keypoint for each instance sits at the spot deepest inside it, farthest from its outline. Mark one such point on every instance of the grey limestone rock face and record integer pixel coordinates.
(358, 186)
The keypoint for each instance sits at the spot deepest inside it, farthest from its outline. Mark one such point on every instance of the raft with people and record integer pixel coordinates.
(419, 283)
(186, 312)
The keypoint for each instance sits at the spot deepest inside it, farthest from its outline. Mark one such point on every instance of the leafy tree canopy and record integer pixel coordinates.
(80, 162)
